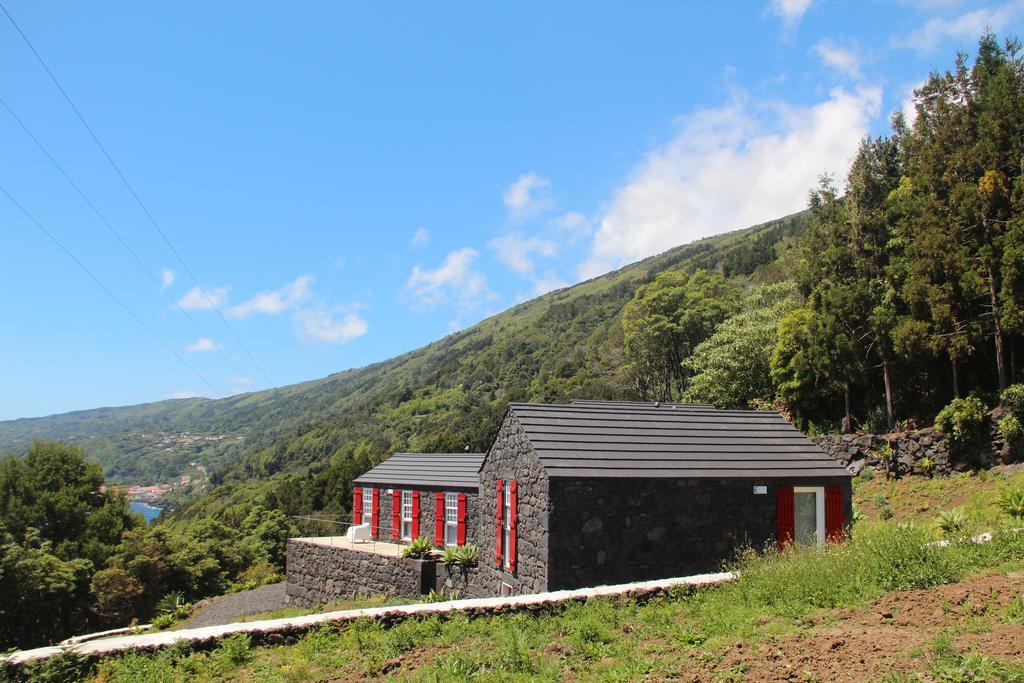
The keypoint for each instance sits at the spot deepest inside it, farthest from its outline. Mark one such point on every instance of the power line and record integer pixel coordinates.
(134, 194)
(106, 289)
(114, 231)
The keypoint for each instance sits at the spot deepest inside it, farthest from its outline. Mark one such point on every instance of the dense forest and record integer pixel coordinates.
(892, 297)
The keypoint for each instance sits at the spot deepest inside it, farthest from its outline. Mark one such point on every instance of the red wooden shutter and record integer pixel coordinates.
(834, 523)
(375, 522)
(439, 519)
(787, 522)
(497, 524)
(357, 506)
(513, 489)
(415, 514)
(396, 512)
(462, 519)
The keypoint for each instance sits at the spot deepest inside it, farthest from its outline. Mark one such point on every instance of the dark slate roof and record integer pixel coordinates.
(638, 404)
(455, 470)
(642, 440)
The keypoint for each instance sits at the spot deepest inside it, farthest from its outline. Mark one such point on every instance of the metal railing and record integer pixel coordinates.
(313, 527)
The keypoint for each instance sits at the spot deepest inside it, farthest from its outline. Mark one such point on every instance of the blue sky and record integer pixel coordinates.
(349, 182)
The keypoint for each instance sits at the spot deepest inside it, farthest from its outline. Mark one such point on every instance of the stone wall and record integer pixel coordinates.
(322, 574)
(512, 458)
(910, 450)
(606, 531)
(427, 505)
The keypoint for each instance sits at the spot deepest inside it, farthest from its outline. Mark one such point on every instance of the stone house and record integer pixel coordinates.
(410, 495)
(586, 494)
(599, 492)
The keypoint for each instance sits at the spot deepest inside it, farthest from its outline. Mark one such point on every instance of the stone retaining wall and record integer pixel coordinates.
(920, 451)
(319, 574)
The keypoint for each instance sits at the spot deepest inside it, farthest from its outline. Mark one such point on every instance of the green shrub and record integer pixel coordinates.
(162, 621)
(1011, 502)
(1012, 399)
(962, 420)
(1009, 427)
(925, 465)
(418, 548)
(951, 522)
(461, 556)
(261, 573)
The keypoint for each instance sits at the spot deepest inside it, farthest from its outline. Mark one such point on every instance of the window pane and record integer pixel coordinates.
(805, 507)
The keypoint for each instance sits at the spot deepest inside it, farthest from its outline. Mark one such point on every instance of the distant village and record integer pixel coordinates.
(194, 474)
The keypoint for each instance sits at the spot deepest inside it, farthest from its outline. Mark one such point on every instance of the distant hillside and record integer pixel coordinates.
(446, 395)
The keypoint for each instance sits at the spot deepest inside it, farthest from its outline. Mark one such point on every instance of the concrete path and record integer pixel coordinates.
(297, 625)
(228, 608)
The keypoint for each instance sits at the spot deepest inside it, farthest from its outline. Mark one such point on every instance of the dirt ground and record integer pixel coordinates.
(893, 635)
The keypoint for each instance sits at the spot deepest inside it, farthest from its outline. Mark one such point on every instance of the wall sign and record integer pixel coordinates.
(760, 490)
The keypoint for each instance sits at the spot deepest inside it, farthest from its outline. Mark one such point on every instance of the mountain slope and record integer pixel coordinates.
(446, 395)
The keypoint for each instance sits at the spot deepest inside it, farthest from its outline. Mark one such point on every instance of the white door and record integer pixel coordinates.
(809, 515)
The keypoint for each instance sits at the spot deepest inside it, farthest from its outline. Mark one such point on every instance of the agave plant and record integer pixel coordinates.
(418, 548)
(170, 603)
(1012, 502)
(462, 556)
(951, 522)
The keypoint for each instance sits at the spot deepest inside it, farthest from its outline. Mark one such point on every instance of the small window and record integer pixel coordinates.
(507, 526)
(451, 519)
(407, 515)
(367, 506)
(506, 589)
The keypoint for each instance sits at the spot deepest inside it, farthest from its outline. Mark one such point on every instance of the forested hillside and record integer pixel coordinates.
(443, 396)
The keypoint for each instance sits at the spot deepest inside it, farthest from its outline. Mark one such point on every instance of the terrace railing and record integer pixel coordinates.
(331, 530)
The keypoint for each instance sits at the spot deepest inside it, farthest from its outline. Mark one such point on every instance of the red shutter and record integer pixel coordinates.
(462, 519)
(357, 506)
(415, 514)
(787, 522)
(439, 519)
(396, 512)
(513, 488)
(834, 523)
(375, 522)
(497, 525)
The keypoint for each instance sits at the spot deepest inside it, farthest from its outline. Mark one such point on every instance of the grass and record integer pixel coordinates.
(613, 639)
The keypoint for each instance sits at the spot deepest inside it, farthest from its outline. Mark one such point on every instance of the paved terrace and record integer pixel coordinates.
(280, 630)
(373, 547)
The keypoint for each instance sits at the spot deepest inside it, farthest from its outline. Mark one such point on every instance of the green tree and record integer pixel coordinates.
(665, 321)
(732, 367)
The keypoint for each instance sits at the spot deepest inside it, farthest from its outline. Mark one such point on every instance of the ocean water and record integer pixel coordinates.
(148, 511)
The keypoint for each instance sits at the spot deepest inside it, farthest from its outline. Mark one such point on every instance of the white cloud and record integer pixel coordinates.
(548, 283)
(528, 195)
(790, 11)
(203, 344)
(276, 301)
(968, 26)
(516, 251)
(730, 167)
(335, 325)
(242, 381)
(573, 225)
(845, 60)
(166, 278)
(455, 280)
(203, 298)
(908, 105)
(419, 238)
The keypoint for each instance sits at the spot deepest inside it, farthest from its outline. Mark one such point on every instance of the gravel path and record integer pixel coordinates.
(229, 608)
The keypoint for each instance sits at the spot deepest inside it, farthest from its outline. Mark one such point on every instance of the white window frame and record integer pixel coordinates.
(406, 515)
(451, 518)
(505, 590)
(367, 506)
(819, 509)
(506, 523)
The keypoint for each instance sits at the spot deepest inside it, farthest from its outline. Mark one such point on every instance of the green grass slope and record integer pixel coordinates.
(446, 395)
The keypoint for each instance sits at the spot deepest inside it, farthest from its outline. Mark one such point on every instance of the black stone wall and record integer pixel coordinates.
(318, 574)
(512, 457)
(427, 505)
(606, 531)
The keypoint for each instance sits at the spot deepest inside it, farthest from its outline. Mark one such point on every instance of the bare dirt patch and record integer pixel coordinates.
(892, 635)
